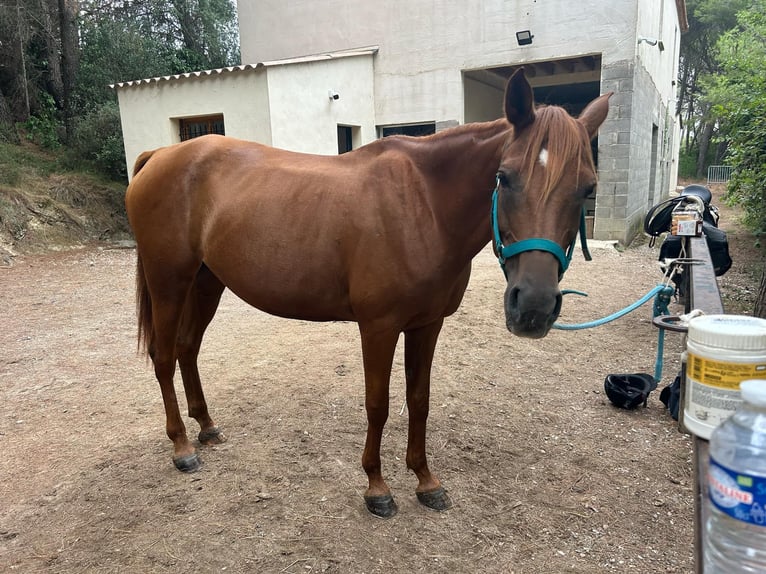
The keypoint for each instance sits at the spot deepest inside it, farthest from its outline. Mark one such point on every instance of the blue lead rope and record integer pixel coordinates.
(662, 295)
(622, 312)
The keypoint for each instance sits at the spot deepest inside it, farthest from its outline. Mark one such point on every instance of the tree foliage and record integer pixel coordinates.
(59, 57)
(708, 20)
(737, 95)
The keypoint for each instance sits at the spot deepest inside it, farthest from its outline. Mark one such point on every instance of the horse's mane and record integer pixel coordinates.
(446, 142)
(479, 129)
(564, 139)
(553, 129)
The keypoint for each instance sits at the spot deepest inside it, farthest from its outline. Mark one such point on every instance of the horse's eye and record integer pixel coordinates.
(502, 178)
(590, 191)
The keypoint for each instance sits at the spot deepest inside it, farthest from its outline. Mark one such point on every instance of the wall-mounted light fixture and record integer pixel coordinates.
(651, 42)
(524, 38)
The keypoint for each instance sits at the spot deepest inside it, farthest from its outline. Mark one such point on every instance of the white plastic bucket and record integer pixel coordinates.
(723, 351)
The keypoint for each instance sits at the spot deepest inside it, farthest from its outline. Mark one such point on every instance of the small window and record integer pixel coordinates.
(190, 128)
(409, 130)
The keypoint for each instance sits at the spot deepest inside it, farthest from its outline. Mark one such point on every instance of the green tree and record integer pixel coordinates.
(738, 98)
(58, 58)
(68, 37)
(30, 61)
(121, 41)
(708, 19)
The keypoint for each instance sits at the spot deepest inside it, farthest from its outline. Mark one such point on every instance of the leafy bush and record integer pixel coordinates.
(687, 163)
(44, 128)
(97, 139)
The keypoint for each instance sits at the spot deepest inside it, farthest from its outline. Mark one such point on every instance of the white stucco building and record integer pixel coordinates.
(324, 76)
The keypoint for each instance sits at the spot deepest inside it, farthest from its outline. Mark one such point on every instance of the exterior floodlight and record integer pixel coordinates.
(524, 38)
(652, 42)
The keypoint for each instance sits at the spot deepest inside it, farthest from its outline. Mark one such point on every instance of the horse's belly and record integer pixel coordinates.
(287, 293)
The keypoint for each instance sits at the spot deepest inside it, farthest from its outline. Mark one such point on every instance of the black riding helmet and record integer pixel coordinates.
(629, 390)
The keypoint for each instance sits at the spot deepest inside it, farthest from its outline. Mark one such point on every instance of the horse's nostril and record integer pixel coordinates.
(513, 298)
(559, 301)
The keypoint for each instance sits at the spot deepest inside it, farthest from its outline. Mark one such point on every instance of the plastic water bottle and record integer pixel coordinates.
(735, 533)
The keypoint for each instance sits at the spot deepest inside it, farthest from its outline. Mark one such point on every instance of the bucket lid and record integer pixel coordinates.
(736, 332)
(754, 392)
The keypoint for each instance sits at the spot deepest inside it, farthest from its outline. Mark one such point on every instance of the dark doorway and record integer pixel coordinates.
(345, 139)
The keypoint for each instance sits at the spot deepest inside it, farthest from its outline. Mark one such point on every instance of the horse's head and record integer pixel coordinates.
(546, 171)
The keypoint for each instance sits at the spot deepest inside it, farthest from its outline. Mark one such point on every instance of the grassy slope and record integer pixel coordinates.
(44, 205)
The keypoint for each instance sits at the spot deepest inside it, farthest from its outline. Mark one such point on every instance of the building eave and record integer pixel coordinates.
(366, 51)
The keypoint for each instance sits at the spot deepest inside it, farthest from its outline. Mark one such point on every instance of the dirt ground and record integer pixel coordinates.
(546, 476)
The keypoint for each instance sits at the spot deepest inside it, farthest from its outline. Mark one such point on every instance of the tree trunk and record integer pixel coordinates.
(760, 302)
(191, 33)
(720, 152)
(704, 142)
(49, 34)
(8, 131)
(69, 51)
(14, 36)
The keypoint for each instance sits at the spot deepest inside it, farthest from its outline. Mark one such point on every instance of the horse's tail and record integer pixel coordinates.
(143, 299)
(143, 310)
(141, 161)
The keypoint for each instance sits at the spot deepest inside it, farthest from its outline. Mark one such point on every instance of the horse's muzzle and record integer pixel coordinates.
(531, 311)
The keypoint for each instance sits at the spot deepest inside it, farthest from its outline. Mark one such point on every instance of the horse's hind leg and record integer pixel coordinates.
(419, 346)
(201, 305)
(167, 303)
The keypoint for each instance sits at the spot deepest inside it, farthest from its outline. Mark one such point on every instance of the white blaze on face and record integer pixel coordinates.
(543, 159)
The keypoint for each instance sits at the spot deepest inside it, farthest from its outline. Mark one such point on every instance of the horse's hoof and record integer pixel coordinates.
(211, 436)
(188, 463)
(435, 499)
(382, 506)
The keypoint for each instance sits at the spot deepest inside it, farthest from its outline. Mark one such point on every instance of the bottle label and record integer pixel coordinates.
(723, 375)
(740, 495)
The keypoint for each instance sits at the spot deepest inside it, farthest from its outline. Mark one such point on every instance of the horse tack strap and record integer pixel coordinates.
(505, 252)
(535, 244)
(583, 239)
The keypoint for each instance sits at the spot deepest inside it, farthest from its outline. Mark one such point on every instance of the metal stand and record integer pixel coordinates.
(703, 294)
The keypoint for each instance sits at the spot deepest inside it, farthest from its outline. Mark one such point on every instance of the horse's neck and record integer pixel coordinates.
(461, 164)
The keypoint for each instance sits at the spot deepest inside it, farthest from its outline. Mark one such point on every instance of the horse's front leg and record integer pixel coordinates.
(419, 346)
(378, 353)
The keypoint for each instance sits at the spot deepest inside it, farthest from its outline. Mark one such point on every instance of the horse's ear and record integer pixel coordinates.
(519, 100)
(595, 113)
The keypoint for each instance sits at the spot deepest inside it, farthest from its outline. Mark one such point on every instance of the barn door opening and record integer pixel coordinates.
(571, 83)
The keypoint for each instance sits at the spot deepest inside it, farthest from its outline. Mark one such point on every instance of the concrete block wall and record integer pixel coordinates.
(614, 153)
(625, 152)
(649, 114)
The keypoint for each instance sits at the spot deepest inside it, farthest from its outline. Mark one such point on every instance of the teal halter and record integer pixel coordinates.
(505, 252)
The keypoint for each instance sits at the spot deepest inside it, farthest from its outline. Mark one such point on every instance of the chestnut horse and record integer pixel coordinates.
(383, 236)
